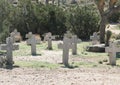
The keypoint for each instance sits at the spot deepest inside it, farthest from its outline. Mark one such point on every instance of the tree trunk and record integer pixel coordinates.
(102, 28)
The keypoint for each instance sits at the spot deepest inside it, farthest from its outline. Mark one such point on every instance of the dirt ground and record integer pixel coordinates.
(59, 76)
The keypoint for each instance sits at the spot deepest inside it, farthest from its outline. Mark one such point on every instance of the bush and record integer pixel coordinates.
(83, 21)
(115, 18)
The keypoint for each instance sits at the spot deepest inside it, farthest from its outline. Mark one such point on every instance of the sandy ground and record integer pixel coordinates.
(59, 76)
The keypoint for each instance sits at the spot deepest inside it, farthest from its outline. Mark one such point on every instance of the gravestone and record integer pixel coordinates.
(65, 46)
(32, 41)
(74, 41)
(29, 35)
(95, 38)
(15, 35)
(9, 47)
(48, 37)
(112, 50)
(68, 34)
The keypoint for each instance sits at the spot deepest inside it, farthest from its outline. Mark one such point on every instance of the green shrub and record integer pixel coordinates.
(83, 21)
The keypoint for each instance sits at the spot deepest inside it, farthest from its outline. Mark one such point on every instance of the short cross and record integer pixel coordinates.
(94, 38)
(29, 35)
(9, 47)
(14, 35)
(48, 37)
(68, 34)
(112, 50)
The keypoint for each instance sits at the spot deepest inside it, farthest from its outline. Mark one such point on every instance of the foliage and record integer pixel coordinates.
(83, 21)
(115, 18)
(4, 19)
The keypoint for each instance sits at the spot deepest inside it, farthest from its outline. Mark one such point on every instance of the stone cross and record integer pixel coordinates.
(32, 41)
(65, 46)
(14, 34)
(9, 47)
(48, 37)
(112, 50)
(74, 41)
(95, 38)
(68, 34)
(29, 35)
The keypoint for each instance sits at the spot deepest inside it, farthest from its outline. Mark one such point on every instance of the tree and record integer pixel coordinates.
(105, 14)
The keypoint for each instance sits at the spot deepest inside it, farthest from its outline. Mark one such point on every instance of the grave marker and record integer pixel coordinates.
(48, 37)
(74, 41)
(95, 38)
(9, 47)
(15, 35)
(65, 46)
(112, 51)
(29, 35)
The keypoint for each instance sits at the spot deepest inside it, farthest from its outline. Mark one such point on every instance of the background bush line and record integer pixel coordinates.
(40, 18)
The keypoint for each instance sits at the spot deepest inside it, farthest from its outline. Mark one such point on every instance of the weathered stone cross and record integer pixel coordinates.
(95, 38)
(74, 41)
(48, 37)
(32, 41)
(112, 50)
(9, 47)
(29, 35)
(68, 34)
(14, 34)
(65, 46)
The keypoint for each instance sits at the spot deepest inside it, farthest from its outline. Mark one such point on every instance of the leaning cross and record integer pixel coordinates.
(9, 47)
(48, 37)
(65, 46)
(112, 50)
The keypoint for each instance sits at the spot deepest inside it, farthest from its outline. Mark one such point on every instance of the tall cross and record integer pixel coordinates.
(9, 47)
(95, 38)
(65, 46)
(112, 50)
(48, 37)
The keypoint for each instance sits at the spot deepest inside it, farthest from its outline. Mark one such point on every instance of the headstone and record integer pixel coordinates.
(9, 47)
(48, 37)
(95, 38)
(15, 35)
(32, 41)
(68, 34)
(74, 41)
(65, 46)
(29, 35)
(112, 51)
